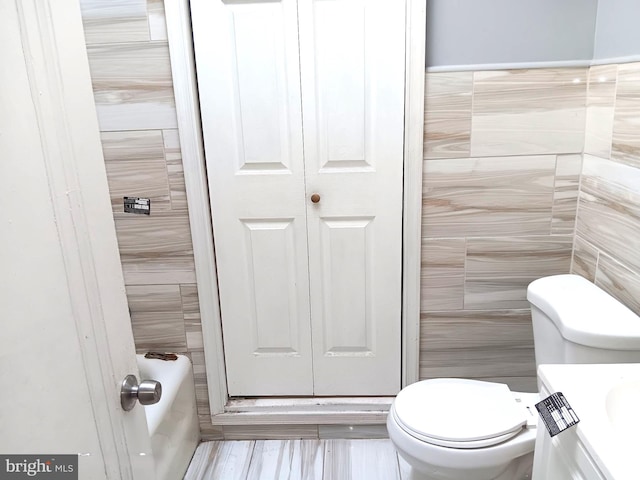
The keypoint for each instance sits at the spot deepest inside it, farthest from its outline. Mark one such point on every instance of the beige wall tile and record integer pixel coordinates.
(619, 281)
(156, 249)
(609, 209)
(132, 86)
(156, 317)
(601, 98)
(626, 132)
(114, 21)
(495, 196)
(597, 172)
(528, 112)
(442, 274)
(200, 380)
(447, 123)
(454, 330)
(485, 345)
(136, 167)
(478, 363)
(565, 194)
(499, 270)
(175, 169)
(192, 320)
(585, 259)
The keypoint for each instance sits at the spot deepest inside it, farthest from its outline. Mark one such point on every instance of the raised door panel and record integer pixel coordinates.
(352, 76)
(248, 74)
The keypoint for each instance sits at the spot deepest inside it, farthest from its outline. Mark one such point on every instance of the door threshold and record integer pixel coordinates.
(305, 410)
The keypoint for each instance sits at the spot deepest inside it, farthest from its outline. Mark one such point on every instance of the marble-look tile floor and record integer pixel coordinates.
(371, 459)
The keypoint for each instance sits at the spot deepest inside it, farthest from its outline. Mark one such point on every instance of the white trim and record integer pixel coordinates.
(279, 404)
(184, 80)
(412, 212)
(612, 60)
(509, 66)
(187, 105)
(306, 411)
(318, 417)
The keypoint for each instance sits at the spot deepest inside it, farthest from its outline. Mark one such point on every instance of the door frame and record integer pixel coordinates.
(180, 39)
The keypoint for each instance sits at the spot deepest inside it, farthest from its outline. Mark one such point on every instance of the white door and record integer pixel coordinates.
(303, 97)
(352, 58)
(66, 339)
(249, 79)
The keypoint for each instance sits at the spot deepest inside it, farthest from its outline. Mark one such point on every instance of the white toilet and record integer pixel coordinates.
(456, 429)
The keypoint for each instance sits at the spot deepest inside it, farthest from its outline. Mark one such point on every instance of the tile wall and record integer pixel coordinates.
(502, 161)
(607, 245)
(130, 69)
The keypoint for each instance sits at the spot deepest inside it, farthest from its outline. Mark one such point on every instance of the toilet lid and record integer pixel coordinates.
(458, 412)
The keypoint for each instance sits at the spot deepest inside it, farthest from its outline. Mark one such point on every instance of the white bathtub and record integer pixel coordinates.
(173, 421)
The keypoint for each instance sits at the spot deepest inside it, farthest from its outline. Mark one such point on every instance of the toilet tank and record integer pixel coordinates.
(574, 321)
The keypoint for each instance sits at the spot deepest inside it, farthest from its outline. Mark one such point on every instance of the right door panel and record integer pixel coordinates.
(352, 77)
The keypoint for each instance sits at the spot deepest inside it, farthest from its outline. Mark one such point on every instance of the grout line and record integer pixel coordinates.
(473, 95)
(553, 193)
(615, 104)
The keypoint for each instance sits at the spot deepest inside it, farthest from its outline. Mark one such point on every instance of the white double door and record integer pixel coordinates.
(300, 98)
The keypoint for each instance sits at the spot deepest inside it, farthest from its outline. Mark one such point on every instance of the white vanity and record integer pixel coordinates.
(605, 444)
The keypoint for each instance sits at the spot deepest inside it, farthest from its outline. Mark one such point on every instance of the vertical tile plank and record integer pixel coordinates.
(175, 169)
(609, 209)
(601, 99)
(156, 317)
(442, 274)
(619, 281)
(345, 459)
(287, 460)
(447, 123)
(565, 195)
(626, 136)
(221, 460)
(585, 259)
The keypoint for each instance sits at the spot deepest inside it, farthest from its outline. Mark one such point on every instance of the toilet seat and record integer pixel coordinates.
(459, 413)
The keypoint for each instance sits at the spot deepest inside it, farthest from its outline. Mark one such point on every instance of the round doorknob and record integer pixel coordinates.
(147, 393)
(315, 198)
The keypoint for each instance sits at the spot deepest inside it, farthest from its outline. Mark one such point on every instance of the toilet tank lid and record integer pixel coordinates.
(584, 313)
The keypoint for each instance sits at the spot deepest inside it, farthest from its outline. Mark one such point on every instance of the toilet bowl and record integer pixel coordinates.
(456, 429)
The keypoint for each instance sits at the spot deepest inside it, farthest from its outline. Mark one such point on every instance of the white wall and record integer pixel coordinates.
(617, 29)
(476, 32)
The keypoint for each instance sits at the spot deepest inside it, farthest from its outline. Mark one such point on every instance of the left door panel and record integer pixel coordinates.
(66, 340)
(249, 80)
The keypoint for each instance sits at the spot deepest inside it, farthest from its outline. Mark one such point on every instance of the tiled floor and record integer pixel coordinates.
(297, 460)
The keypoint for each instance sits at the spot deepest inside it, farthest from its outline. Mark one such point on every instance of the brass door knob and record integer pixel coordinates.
(315, 198)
